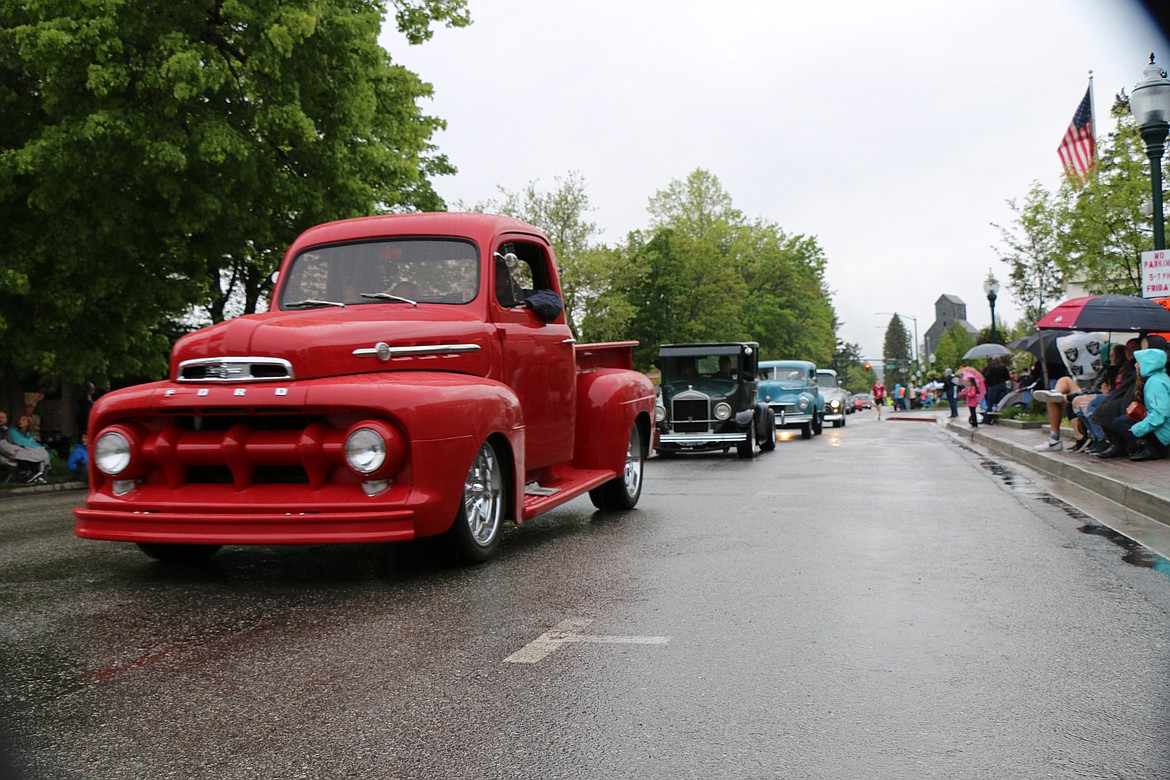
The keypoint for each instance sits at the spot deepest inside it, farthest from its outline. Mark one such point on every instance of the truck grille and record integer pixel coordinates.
(691, 415)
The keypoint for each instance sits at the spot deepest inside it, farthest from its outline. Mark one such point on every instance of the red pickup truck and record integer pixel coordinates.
(414, 377)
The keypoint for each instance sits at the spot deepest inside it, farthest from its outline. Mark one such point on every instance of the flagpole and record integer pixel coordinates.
(1092, 107)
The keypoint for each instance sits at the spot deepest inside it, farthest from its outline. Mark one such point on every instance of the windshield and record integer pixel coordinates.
(695, 367)
(392, 270)
(827, 380)
(785, 374)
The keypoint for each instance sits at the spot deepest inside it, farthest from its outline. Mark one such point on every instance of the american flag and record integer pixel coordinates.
(1078, 150)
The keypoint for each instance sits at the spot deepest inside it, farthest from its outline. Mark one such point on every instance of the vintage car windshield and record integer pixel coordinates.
(827, 380)
(404, 271)
(698, 367)
(786, 374)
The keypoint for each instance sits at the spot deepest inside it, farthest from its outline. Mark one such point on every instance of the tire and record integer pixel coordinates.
(806, 430)
(179, 553)
(768, 443)
(479, 521)
(622, 493)
(818, 425)
(747, 448)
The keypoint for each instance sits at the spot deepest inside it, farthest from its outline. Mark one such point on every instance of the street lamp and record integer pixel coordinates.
(991, 287)
(1150, 105)
(914, 351)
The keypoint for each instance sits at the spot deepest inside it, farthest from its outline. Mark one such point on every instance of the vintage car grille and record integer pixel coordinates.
(235, 369)
(691, 415)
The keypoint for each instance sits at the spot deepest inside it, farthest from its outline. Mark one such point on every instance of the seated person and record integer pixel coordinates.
(1148, 438)
(32, 460)
(725, 371)
(79, 459)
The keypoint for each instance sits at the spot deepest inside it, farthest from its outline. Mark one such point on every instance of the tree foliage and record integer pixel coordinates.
(159, 155)
(1033, 250)
(952, 345)
(897, 352)
(702, 272)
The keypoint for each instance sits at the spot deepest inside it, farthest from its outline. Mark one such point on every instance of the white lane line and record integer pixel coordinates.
(567, 631)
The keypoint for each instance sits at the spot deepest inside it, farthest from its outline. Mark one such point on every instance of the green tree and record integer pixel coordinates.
(158, 155)
(1033, 249)
(952, 345)
(897, 353)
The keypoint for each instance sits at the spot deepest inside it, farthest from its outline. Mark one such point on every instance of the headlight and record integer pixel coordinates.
(659, 413)
(111, 453)
(365, 450)
(835, 404)
(803, 403)
(722, 410)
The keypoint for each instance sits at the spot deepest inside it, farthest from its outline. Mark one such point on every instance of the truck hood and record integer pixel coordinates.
(323, 342)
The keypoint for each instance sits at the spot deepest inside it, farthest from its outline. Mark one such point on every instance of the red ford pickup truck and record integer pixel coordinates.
(414, 377)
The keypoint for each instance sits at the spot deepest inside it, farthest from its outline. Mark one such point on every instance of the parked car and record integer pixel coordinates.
(790, 390)
(836, 397)
(707, 400)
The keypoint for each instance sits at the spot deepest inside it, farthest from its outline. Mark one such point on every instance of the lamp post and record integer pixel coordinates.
(991, 287)
(1150, 105)
(914, 351)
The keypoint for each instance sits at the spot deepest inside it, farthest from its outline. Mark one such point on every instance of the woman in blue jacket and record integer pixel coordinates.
(1148, 438)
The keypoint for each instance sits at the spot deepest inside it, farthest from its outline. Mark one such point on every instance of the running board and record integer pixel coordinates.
(562, 488)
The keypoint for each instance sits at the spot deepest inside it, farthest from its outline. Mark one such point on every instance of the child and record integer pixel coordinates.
(973, 396)
(79, 459)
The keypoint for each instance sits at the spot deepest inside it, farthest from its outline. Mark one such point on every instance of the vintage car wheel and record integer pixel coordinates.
(768, 439)
(806, 430)
(475, 534)
(818, 424)
(179, 553)
(623, 492)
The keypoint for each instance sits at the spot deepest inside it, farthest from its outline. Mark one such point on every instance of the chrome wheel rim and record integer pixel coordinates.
(483, 493)
(632, 475)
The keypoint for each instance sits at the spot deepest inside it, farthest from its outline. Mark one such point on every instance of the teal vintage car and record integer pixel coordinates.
(790, 390)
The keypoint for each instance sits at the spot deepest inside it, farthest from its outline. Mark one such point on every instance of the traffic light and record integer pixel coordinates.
(867, 365)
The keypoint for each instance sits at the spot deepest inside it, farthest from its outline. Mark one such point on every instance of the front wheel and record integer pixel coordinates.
(818, 423)
(475, 534)
(747, 447)
(623, 492)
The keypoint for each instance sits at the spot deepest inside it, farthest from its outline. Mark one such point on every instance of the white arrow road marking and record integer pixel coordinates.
(567, 631)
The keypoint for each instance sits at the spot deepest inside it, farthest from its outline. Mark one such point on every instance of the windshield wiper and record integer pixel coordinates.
(385, 296)
(312, 302)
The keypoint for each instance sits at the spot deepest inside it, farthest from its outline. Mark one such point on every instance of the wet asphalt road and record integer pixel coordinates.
(878, 602)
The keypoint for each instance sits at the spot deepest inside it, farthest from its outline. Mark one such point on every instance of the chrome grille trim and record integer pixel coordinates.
(229, 370)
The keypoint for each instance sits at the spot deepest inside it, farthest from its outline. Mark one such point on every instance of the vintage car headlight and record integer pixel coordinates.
(802, 404)
(365, 450)
(722, 411)
(112, 453)
(835, 403)
(375, 449)
(659, 413)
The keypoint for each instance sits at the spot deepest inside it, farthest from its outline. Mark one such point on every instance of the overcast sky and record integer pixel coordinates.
(894, 132)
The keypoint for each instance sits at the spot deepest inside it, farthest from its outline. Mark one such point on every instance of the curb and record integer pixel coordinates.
(56, 487)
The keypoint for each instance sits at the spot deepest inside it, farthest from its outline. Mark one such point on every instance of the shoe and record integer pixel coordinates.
(1145, 451)
(1048, 396)
(1112, 451)
(1099, 447)
(1080, 444)
(1052, 445)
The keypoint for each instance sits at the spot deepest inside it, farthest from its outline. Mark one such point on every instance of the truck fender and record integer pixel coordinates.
(609, 403)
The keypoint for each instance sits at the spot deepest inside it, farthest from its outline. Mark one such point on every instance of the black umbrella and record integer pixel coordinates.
(1032, 344)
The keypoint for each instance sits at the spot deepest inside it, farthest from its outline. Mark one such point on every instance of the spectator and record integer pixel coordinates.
(1121, 395)
(973, 395)
(950, 390)
(79, 458)
(35, 459)
(85, 405)
(998, 379)
(34, 421)
(1147, 438)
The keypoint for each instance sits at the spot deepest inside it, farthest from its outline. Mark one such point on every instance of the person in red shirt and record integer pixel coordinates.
(878, 392)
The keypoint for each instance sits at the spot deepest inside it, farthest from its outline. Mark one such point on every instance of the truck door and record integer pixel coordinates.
(538, 356)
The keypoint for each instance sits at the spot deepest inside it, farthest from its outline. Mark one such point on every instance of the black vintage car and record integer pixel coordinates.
(707, 400)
